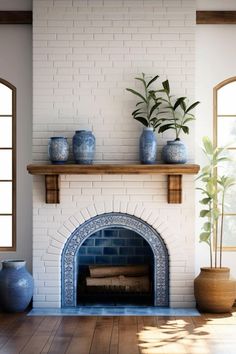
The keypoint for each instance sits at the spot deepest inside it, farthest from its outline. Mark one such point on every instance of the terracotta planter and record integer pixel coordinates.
(214, 290)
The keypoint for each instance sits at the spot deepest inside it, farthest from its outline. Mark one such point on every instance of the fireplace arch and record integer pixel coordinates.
(69, 259)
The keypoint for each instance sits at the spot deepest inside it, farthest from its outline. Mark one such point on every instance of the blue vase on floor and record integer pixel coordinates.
(148, 147)
(174, 152)
(58, 150)
(16, 286)
(84, 147)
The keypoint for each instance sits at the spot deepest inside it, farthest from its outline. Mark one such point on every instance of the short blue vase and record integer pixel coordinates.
(58, 150)
(84, 147)
(174, 152)
(16, 286)
(148, 147)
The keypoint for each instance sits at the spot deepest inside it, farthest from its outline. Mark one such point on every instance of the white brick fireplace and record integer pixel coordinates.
(85, 53)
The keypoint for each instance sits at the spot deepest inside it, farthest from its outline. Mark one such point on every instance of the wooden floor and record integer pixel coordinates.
(208, 334)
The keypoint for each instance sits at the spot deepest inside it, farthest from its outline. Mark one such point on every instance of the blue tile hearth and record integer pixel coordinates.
(97, 310)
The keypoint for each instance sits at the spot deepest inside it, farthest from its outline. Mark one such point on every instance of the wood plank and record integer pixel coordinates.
(128, 335)
(102, 169)
(216, 17)
(83, 336)
(16, 17)
(63, 335)
(114, 344)
(102, 336)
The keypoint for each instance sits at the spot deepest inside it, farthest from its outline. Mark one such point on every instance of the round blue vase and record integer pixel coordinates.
(174, 152)
(16, 286)
(84, 147)
(148, 147)
(58, 150)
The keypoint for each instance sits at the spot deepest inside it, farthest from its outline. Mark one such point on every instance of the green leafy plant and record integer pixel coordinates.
(180, 112)
(213, 189)
(148, 105)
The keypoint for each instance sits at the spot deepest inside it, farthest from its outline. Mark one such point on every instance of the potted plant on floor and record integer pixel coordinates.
(214, 290)
(175, 151)
(147, 112)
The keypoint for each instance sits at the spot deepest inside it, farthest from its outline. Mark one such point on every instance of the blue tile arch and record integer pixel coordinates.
(69, 259)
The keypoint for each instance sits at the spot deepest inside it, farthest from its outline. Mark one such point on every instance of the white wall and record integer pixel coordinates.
(15, 5)
(215, 62)
(16, 67)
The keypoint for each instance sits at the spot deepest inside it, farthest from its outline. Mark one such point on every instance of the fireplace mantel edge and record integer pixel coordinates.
(52, 175)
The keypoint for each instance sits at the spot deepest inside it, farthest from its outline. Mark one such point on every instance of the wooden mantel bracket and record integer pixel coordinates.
(52, 189)
(52, 176)
(174, 189)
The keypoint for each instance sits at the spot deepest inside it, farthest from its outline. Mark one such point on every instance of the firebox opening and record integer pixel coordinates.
(115, 267)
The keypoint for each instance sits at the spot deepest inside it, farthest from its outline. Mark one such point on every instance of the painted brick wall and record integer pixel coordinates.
(85, 54)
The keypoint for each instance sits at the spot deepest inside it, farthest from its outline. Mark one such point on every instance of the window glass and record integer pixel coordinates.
(6, 231)
(226, 102)
(7, 166)
(5, 132)
(6, 197)
(225, 135)
(5, 100)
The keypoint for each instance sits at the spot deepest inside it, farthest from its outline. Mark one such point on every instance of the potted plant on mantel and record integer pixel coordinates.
(214, 290)
(175, 152)
(147, 112)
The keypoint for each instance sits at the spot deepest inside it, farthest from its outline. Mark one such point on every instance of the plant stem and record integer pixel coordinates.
(222, 226)
(175, 119)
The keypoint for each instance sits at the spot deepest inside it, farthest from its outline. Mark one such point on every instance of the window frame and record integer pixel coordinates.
(215, 132)
(13, 148)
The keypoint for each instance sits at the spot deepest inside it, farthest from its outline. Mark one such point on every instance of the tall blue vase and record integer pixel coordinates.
(84, 147)
(16, 286)
(148, 147)
(58, 150)
(174, 152)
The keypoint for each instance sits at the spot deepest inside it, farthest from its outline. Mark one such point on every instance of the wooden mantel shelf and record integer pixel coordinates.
(52, 173)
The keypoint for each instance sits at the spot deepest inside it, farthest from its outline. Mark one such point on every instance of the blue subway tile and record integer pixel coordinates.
(89, 242)
(118, 242)
(110, 250)
(103, 260)
(117, 260)
(127, 251)
(96, 251)
(83, 260)
(103, 242)
(110, 233)
(82, 250)
(134, 242)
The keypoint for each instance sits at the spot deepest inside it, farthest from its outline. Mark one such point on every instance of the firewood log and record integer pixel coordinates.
(130, 284)
(110, 271)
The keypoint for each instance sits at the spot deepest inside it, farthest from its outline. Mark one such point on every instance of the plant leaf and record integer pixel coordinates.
(192, 106)
(166, 86)
(208, 145)
(204, 213)
(142, 120)
(137, 94)
(178, 102)
(152, 80)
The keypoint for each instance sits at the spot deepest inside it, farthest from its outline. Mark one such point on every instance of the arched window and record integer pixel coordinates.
(7, 166)
(225, 134)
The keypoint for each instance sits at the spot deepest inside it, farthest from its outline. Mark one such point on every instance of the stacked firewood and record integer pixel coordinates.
(130, 278)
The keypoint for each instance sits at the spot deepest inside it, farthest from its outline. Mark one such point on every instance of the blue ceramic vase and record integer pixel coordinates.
(148, 147)
(174, 152)
(58, 150)
(16, 286)
(84, 147)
